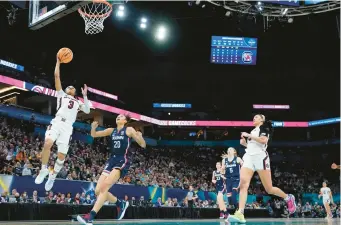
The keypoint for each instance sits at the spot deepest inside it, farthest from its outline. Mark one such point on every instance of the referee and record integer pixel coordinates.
(191, 196)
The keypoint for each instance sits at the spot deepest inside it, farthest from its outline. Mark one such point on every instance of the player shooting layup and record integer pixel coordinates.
(60, 129)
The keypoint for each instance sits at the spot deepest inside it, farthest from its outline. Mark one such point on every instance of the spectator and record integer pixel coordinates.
(35, 197)
(158, 203)
(169, 203)
(88, 200)
(82, 198)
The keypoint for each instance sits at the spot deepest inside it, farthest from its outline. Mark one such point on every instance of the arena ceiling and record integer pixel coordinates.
(298, 63)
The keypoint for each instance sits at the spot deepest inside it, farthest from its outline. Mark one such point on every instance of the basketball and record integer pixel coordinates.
(65, 55)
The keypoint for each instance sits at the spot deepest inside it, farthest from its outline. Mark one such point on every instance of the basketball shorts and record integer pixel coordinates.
(326, 201)
(231, 183)
(116, 162)
(257, 162)
(221, 189)
(60, 132)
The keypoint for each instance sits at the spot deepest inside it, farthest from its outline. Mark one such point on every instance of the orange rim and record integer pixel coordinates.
(99, 16)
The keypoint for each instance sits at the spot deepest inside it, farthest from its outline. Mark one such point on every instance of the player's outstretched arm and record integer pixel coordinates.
(240, 161)
(86, 106)
(137, 136)
(213, 178)
(102, 133)
(57, 81)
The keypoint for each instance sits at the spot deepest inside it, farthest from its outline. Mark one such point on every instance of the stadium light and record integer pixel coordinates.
(161, 33)
(143, 26)
(120, 11)
(143, 20)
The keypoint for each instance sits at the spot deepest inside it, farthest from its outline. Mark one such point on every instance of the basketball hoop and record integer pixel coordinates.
(94, 14)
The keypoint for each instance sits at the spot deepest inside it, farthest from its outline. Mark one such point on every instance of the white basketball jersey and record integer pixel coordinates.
(67, 106)
(254, 147)
(325, 193)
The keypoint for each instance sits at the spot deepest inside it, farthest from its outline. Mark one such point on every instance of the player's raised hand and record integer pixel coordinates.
(84, 90)
(242, 141)
(334, 166)
(94, 125)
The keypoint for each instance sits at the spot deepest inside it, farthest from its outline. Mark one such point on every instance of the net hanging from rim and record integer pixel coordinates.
(94, 15)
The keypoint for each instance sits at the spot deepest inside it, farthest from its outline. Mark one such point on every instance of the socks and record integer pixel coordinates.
(43, 167)
(92, 215)
(287, 198)
(118, 202)
(241, 211)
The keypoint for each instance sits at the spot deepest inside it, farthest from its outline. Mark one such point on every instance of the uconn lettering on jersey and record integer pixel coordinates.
(230, 165)
(117, 137)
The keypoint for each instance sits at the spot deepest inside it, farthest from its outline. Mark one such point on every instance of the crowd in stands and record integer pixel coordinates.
(20, 149)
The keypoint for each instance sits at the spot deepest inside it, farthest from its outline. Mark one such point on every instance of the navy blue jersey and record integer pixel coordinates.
(120, 142)
(232, 168)
(219, 179)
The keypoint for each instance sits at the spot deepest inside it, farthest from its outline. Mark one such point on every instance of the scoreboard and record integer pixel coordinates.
(233, 50)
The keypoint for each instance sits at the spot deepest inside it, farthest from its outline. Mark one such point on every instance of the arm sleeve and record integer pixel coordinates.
(263, 131)
(85, 107)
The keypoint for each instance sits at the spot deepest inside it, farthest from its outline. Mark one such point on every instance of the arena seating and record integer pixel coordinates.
(166, 167)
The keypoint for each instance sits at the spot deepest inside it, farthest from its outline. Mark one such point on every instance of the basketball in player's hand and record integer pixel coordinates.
(65, 55)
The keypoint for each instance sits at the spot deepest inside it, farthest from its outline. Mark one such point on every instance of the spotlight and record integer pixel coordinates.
(143, 26)
(161, 33)
(259, 6)
(284, 11)
(120, 13)
(143, 20)
(290, 20)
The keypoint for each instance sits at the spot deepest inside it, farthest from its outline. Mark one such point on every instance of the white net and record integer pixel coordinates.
(94, 15)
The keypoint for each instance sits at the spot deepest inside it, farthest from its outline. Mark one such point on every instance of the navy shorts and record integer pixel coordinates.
(116, 162)
(221, 189)
(232, 182)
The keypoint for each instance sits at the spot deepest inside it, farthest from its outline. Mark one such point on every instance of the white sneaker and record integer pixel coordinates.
(49, 183)
(42, 174)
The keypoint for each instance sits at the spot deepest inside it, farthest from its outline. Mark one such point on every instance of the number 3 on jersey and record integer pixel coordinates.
(117, 144)
(71, 104)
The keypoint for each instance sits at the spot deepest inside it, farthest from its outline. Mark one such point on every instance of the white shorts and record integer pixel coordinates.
(257, 162)
(60, 132)
(326, 201)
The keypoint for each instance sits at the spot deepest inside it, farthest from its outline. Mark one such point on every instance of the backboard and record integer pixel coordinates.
(41, 13)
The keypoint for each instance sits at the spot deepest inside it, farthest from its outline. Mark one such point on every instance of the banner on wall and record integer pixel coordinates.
(136, 116)
(26, 183)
